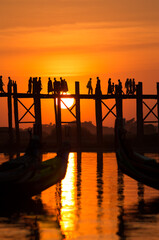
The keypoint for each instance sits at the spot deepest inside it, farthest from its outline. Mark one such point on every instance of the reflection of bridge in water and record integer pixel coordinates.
(105, 202)
(100, 100)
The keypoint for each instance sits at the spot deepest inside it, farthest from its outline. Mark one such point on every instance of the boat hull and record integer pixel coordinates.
(135, 165)
(47, 174)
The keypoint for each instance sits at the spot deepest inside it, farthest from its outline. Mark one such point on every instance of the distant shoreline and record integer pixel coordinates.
(8, 151)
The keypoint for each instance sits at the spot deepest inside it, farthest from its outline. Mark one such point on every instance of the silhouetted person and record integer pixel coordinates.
(65, 86)
(127, 86)
(30, 85)
(109, 86)
(112, 86)
(14, 84)
(98, 87)
(62, 84)
(120, 87)
(89, 86)
(39, 85)
(57, 86)
(9, 81)
(1, 85)
(35, 83)
(133, 86)
(49, 86)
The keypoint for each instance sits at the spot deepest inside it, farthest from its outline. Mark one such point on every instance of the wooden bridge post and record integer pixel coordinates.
(99, 177)
(139, 107)
(119, 106)
(10, 126)
(78, 115)
(98, 109)
(58, 122)
(158, 106)
(16, 118)
(37, 110)
(55, 109)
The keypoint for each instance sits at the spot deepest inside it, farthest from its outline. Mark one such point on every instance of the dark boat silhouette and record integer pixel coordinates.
(133, 164)
(27, 176)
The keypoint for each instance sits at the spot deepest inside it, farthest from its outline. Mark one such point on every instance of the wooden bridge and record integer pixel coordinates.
(15, 97)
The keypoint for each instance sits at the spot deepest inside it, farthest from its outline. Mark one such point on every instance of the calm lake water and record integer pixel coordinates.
(94, 201)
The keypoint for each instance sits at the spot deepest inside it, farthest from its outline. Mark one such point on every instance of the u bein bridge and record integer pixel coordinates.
(13, 96)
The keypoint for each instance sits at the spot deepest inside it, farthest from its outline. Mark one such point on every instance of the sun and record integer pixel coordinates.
(67, 101)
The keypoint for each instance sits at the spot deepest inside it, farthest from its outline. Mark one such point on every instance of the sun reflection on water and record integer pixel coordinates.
(68, 196)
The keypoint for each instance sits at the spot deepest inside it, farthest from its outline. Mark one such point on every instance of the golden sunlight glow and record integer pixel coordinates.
(68, 197)
(66, 102)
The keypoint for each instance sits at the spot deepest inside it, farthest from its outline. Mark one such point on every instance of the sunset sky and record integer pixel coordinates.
(80, 39)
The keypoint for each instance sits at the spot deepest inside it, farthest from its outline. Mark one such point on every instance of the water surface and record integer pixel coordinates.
(94, 201)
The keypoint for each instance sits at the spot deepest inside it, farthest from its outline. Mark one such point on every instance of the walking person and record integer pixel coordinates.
(35, 83)
(65, 86)
(89, 86)
(30, 85)
(10, 82)
(127, 86)
(1, 85)
(112, 88)
(49, 86)
(120, 87)
(62, 84)
(98, 87)
(109, 86)
(57, 86)
(133, 86)
(39, 85)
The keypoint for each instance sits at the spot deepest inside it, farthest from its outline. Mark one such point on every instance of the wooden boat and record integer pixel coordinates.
(22, 166)
(133, 164)
(46, 174)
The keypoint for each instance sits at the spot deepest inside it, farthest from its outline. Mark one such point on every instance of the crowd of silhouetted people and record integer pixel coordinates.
(130, 87)
(34, 85)
(11, 84)
(57, 86)
(61, 86)
(1, 85)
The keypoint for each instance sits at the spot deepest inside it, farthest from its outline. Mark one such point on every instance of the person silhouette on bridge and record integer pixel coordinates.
(127, 85)
(49, 86)
(89, 86)
(133, 86)
(98, 87)
(10, 82)
(35, 85)
(119, 87)
(30, 85)
(14, 84)
(64, 86)
(39, 85)
(110, 87)
(1, 85)
(57, 86)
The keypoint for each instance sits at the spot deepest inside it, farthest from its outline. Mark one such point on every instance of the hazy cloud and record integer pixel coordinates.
(40, 13)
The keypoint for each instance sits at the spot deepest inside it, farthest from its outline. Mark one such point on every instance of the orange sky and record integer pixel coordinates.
(78, 40)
